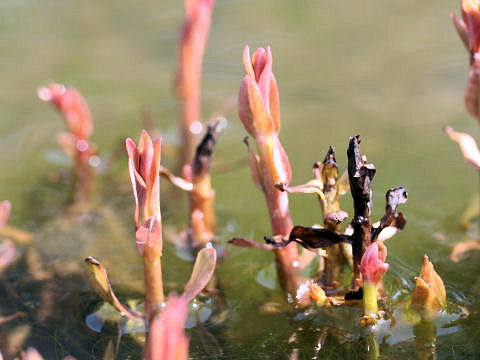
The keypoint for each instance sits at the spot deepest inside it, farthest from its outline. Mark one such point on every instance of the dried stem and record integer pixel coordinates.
(360, 175)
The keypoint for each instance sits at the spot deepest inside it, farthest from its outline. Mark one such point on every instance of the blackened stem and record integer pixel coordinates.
(360, 176)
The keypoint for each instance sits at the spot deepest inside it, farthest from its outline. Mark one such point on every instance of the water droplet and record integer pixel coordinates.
(196, 127)
(94, 161)
(82, 145)
(222, 122)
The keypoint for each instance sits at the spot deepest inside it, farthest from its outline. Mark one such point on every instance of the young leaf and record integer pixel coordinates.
(202, 272)
(97, 277)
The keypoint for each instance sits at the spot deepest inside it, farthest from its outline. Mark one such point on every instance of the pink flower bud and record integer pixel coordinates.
(258, 100)
(144, 167)
(372, 265)
(471, 19)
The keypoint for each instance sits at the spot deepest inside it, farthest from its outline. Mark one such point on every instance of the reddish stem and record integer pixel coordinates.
(154, 297)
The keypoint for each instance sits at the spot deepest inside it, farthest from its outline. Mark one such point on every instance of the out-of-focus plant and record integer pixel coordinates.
(7, 247)
(373, 268)
(259, 111)
(197, 182)
(468, 28)
(202, 195)
(167, 340)
(75, 143)
(32, 354)
(193, 39)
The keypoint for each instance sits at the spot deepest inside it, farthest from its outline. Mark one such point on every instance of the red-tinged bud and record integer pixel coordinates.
(372, 265)
(471, 19)
(166, 337)
(373, 268)
(73, 107)
(429, 295)
(144, 167)
(258, 100)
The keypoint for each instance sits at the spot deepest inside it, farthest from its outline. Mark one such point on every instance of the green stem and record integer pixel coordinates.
(370, 296)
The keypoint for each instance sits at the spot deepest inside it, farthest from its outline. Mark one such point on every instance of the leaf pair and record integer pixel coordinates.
(202, 272)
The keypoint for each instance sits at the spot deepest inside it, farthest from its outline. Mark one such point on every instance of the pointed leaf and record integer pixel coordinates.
(310, 238)
(461, 30)
(244, 111)
(176, 180)
(254, 162)
(468, 146)
(311, 187)
(247, 62)
(97, 277)
(472, 91)
(281, 162)
(275, 104)
(202, 272)
(249, 243)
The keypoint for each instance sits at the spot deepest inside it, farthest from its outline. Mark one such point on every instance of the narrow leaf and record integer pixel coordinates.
(97, 277)
(249, 243)
(472, 92)
(310, 238)
(468, 146)
(254, 162)
(176, 180)
(461, 30)
(202, 272)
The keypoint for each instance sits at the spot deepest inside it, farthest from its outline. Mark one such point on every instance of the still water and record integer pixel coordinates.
(393, 72)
